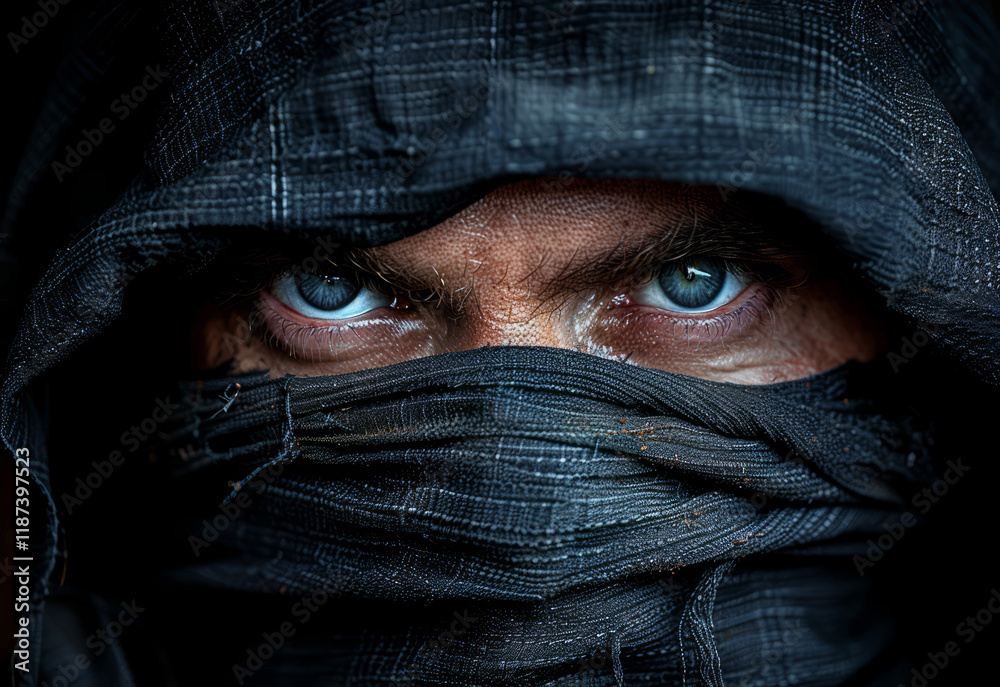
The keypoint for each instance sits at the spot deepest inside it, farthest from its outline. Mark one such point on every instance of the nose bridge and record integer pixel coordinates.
(507, 268)
(510, 314)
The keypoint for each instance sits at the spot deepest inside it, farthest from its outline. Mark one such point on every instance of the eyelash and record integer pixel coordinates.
(758, 307)
(767, 280)
(289, 336)
(279, 331)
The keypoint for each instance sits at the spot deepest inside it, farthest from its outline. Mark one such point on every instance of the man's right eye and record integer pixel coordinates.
(326, 296)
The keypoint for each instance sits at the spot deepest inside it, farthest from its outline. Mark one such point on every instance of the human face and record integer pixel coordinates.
(652, 273)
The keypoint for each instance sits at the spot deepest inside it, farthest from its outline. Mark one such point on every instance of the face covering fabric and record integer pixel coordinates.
(578, 509)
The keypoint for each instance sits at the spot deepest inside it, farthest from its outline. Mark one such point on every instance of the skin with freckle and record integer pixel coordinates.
(500, 269)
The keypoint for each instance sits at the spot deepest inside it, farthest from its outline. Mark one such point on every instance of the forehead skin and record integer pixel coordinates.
(532, 233)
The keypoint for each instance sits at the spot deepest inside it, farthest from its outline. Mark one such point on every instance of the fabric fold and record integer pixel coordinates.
(509, 480)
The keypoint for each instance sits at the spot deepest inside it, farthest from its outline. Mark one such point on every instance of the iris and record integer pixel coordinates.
(326, 296)
(325, 293)
(692, 285)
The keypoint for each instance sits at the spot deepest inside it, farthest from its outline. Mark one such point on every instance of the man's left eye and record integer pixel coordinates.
(690, 286)
(326, 297)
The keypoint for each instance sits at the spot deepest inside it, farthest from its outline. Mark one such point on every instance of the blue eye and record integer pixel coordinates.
(690, 286)
(326, 297)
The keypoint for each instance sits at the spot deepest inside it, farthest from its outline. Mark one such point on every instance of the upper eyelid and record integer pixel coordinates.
(745, 243)
(750, 250)
(351, 263)
(754, 271)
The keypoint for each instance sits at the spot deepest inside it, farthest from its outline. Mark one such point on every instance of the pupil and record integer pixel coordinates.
(326, 293)
(693, 284)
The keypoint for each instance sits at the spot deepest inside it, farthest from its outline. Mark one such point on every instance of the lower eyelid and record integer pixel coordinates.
(752, 306)
(269, 300)
(626, 300)
(319, 341)
(408, 332)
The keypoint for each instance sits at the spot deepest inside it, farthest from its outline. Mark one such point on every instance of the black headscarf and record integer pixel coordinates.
(568, 520)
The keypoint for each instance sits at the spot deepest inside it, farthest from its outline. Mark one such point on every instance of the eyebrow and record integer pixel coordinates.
(734, 236)
(748, 230)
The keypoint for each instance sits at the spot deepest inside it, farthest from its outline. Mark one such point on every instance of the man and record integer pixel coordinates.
(528, 345)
